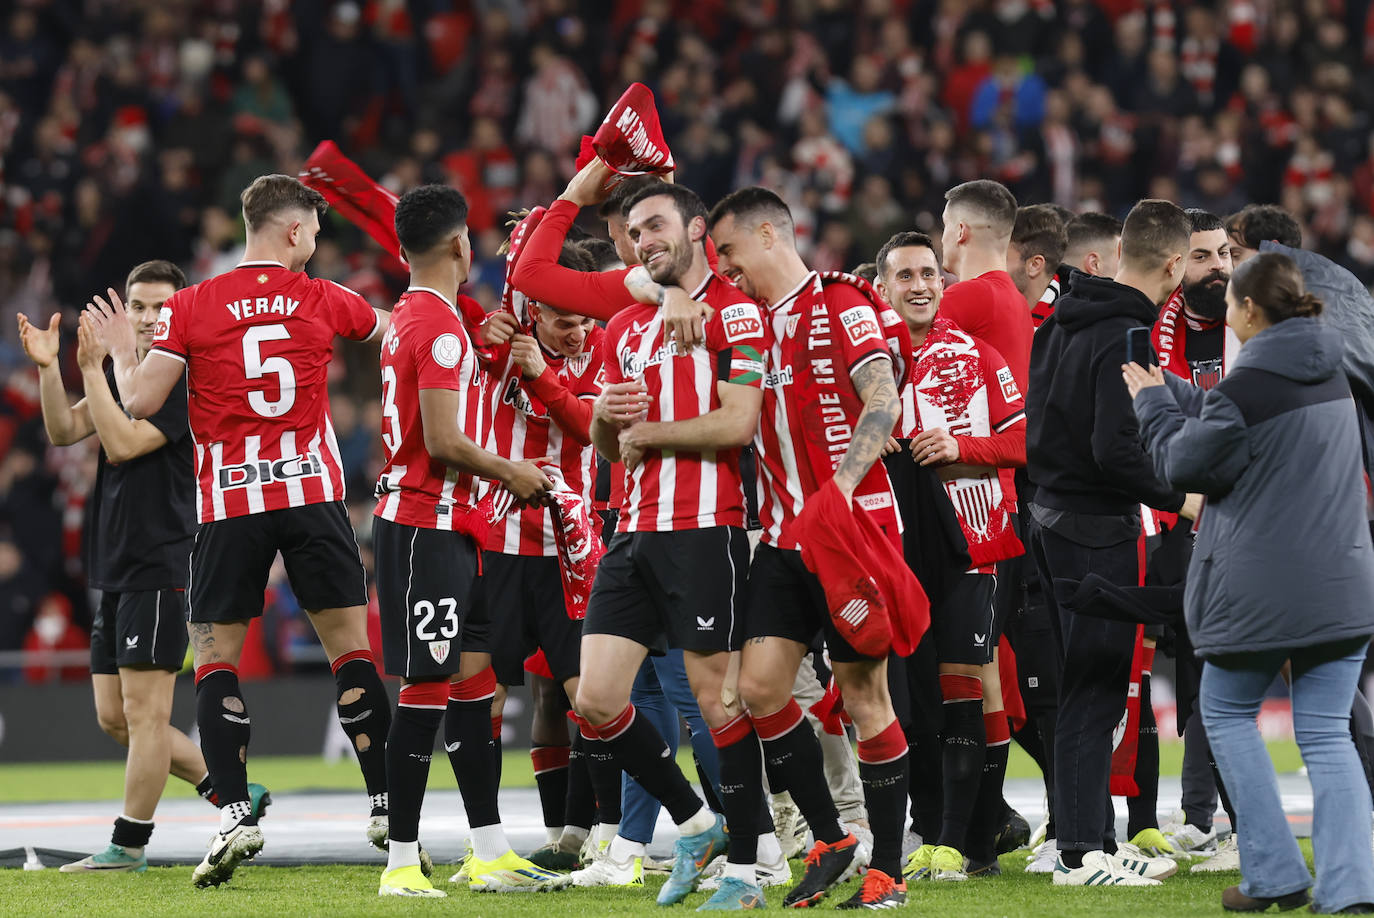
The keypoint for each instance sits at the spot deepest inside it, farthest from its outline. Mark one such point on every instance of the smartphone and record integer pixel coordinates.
(1138, 346)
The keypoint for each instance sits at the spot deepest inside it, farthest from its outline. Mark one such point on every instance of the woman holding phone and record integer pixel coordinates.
(1282, 570)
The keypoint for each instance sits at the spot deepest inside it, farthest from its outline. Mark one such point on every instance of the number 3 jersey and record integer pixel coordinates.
(257, 342)
(427, 347)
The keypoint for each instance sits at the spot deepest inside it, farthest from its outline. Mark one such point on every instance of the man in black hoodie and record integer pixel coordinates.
(1091, 474)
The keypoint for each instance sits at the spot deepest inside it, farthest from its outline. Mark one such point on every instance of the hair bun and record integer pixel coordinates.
(1309, 304)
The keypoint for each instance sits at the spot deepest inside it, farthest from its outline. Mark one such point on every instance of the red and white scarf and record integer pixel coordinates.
(1170, 336)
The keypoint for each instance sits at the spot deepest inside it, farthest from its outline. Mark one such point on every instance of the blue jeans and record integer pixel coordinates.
(662, 694)
(1323, 688)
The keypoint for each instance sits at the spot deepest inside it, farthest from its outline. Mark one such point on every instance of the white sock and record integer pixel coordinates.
(574, 835)
(622, 849)
(700, 821)
(770, 850)
(552, 834)
(402, 854)
(489, 842)
(743, 872)
(606, 831)
(232, 814)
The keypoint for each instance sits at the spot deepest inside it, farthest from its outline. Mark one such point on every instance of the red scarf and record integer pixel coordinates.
(1170, 335)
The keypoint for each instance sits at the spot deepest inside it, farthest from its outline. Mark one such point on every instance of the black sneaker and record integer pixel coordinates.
(552, 856)
(826, 865)
(878, 891)
(991, 869)
(1013, 833)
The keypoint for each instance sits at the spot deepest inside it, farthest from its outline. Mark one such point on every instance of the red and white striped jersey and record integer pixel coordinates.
(427, 347)
(523, 427)
(821, 333)
(678, 490)
(961, 384)
(257, 341)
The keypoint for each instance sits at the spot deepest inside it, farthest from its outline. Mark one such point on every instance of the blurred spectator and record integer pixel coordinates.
(53, 632)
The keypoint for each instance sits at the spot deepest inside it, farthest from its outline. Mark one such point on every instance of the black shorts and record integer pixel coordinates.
(231, 560)
(688, 586)
(145, 628)
(963, 621)
(786, 600)
(522, 597)
(426, 581)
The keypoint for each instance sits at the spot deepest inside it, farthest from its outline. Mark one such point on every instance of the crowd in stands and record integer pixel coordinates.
(128, 127)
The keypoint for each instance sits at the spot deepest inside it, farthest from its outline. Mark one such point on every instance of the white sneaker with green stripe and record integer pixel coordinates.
(113, 859)
(1099, 869)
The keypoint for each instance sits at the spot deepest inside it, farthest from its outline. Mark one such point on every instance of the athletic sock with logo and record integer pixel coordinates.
(1141, 809)
(467, 737)
(224, 733)
(883, 770)
(364, 713)
(644, 755)
(794, 762)
(741, 792)
(579, 810)
(965, 748)
(603, 774)
(987, 813)
(409, 748)
(551, 778)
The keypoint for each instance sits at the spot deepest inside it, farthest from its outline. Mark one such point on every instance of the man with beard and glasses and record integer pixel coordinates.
(1190, 333)
(676, 567)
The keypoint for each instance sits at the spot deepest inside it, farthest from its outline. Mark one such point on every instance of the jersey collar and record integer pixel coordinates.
(268, 263)
(810, 277)
(446, 300)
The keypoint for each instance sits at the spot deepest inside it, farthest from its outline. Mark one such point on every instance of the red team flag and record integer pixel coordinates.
(630, 139)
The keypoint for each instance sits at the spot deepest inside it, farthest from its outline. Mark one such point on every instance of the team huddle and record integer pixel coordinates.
(693, 383)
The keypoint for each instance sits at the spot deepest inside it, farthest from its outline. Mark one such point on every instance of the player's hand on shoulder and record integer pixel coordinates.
(527, 355)
(499, 328)
(622, 403)
(41, 344)
(684, 319)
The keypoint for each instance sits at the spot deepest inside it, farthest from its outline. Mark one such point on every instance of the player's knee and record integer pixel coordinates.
(762, 695)
(114, 725)
(599, 705)
(143, 714)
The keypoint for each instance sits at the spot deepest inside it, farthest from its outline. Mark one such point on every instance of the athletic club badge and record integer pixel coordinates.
(438, 650)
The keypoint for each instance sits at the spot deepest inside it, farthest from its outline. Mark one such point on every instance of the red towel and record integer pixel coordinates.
(875, 602)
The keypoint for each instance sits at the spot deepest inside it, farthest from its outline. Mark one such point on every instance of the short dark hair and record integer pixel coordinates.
(622, 191)
(1065, 215)
(575, 258)
(1154, 231)
(687, 201)
(754, 205)
(1273, 282)
(157, 271)
(601, 251)
(269, 195)
(427, 215)
(868, 271)
(990, 200)
(1258, 222)
(901, 241)
(1086, 230)
(1039, 230)
(1203, 221)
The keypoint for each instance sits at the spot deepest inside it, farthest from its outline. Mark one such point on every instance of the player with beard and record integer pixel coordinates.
(1190, 334)
(676, 567)
(829, 407)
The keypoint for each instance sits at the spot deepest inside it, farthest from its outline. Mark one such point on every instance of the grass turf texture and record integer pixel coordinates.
(340, 891)
(60, 781)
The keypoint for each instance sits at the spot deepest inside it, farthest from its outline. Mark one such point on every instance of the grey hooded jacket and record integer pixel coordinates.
(1283, 556)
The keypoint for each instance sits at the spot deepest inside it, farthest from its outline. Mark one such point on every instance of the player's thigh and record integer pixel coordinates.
(621, 605)
(609, 663)
(768, 668)
(425, 580)
(706, 674)
(109, 705)
(699, 579)
(320, 552)
(230, 563)
(147, 692)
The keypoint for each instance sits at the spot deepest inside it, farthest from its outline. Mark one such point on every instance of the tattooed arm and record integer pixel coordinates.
(876, 387)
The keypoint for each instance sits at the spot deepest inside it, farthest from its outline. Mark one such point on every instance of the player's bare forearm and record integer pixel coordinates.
(65, 423)
(122, 437)
(606, 438)
(730, 426)
(882, 406)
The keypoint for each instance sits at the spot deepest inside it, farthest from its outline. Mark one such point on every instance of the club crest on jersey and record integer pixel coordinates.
(1009, 391)
(265, 471)
(741, 322)
(446, 350)
(163, 328)
(262, 278)
(792, 325)
(577, 364)
(439, 650)
(859, 323)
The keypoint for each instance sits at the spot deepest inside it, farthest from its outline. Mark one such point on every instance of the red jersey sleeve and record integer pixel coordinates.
(437, 348)
(540, 277)
(735, 333)
(353, 316)
(570, 408)
(1006, 447)
(173, 324)
(855, 325)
